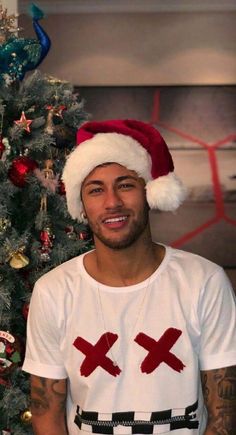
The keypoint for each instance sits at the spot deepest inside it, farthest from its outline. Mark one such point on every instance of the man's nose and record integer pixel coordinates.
(113, 199)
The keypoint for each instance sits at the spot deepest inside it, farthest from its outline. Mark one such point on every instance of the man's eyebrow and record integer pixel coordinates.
(88, 183)
(126, 177)
(117, 180)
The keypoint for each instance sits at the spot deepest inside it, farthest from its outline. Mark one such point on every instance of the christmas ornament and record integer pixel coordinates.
(84, 235)
(10, 355)
(55, 80)
(4, 224)
(46, 237)
(64, 136)
(55, 111)
(23, 122)
(5, 148)
(19, 55)
(47, 177)
(26, 416)
(20, 167)
(25, 310)
(71, 234)
(7, 25)
(18, 259)
(61, 187)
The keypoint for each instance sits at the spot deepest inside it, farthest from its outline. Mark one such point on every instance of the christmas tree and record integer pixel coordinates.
(39, 116)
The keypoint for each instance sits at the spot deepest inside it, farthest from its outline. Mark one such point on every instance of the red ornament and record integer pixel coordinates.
(84, 235)
(20, 167)
(2, 147)
(25, 310)
(46, 237)
(24, 123)
(61, 188)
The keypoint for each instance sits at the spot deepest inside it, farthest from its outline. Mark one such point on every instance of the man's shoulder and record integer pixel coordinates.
(64, 273)
(193, 263)
(193, 257)
(195, 275)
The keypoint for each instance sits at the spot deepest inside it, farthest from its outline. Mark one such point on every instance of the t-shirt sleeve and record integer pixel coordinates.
(217, 316)
(43, 356)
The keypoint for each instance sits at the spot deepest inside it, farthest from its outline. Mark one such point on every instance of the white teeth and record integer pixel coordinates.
(118, 219)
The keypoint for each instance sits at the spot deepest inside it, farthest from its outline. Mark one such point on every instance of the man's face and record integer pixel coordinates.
(115, 203)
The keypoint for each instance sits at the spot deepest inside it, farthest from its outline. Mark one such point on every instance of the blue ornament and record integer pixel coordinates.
(19, 55)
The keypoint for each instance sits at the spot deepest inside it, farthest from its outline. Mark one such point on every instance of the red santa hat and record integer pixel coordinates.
(134, 144)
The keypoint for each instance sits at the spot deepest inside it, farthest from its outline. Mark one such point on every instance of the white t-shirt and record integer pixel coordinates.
(160, 332)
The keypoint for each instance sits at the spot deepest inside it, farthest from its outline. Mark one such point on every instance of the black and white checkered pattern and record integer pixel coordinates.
(137, 422)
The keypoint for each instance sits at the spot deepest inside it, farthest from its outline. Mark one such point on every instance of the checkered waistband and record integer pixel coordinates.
(137, 422)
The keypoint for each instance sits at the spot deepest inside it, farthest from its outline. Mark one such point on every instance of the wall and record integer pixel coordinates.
(11, 6)
(141, 48)
(162, 50)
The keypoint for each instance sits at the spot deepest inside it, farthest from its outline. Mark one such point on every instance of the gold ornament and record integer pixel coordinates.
(7, 25)
(48, 179)
(47, 171)
(26, 416)
(17, 259)
(55, 81)
(4, 224)
(50, 127)
(71, 234)
(64, 135)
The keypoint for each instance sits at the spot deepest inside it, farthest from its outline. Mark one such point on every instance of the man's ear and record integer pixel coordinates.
(83, 215)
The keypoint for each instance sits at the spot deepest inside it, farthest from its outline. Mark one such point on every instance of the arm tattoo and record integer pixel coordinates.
(47, 394)
(219, 391)
(205, 388)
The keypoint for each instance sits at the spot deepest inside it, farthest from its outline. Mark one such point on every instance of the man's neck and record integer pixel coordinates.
(124, 267)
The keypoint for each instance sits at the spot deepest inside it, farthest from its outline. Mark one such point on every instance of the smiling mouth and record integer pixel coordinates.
(115, 220)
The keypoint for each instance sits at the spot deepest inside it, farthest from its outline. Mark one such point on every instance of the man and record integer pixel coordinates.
(124, 336)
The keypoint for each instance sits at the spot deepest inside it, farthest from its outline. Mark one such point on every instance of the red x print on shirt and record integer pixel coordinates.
(159, 351)
(96, 355)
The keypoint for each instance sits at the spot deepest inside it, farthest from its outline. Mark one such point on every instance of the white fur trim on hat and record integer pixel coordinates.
(101, 148)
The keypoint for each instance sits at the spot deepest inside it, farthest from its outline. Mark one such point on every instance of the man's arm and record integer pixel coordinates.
(48, 406)
(219, 391)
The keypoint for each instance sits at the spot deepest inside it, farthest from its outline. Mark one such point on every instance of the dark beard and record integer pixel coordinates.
(137, 229)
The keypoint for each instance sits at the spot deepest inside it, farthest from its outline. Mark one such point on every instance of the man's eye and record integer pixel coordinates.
(126, 186)
(95, 190)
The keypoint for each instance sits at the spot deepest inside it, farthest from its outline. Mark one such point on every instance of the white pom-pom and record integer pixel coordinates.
(166, 193)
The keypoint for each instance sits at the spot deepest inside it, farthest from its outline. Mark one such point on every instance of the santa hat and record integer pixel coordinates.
(134, 144)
